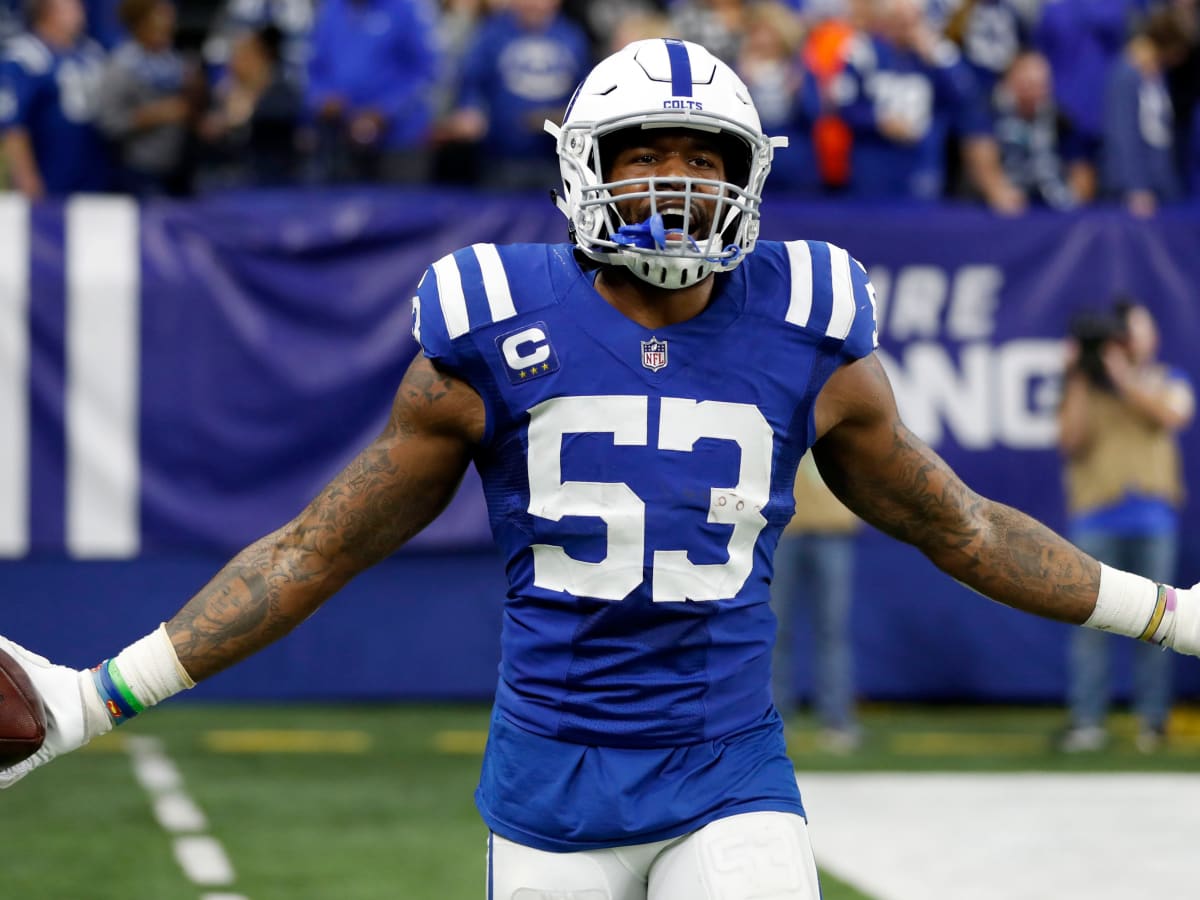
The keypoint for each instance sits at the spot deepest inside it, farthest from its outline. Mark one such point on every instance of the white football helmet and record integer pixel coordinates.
(662, 83)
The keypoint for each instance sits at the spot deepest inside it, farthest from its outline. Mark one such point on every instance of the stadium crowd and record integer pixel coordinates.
(1012, 103)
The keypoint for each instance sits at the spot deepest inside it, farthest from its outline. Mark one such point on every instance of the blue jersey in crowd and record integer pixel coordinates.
(51, 94)
(1139, 135)
(1081, 39)
(518, 77)
(637, 482)
(994, 33)
(377, 55)
(933, 99)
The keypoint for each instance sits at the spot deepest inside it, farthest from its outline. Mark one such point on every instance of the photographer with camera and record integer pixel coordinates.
(1118, 424)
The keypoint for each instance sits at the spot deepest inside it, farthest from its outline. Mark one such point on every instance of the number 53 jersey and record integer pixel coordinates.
(637, 482)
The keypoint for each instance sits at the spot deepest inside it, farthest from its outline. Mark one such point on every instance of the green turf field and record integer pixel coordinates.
(316, 803)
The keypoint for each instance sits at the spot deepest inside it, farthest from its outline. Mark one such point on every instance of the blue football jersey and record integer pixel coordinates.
(52, 95)
(637, 482)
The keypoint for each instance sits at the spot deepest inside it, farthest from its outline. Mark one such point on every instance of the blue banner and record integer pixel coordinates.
(177, 379)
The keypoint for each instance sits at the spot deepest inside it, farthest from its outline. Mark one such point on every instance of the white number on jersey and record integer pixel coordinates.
(681, 424)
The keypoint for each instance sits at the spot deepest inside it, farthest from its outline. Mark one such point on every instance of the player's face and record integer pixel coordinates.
(668, 154)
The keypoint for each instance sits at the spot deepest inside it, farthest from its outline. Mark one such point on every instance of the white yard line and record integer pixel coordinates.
(200, 856)
(1024, 836)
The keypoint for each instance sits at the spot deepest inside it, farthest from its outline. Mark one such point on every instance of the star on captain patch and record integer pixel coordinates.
(654, 354)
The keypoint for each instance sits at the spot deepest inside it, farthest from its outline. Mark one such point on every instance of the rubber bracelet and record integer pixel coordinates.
(146, 672)
(115, 694)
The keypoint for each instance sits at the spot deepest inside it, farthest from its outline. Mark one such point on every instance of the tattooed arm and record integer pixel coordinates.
(389, 492)
(893, 480)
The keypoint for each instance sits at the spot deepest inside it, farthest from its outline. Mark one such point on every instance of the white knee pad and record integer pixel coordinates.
(763, 855)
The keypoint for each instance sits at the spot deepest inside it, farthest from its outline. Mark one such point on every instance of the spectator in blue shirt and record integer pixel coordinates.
(49, 78)
(1139, 164)
(991, 33)
(370, 88)
(104, 24)
(904, 92)
(520, 71)
(1082, 39)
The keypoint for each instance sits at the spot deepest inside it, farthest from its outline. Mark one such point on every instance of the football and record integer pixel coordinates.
(22, 717)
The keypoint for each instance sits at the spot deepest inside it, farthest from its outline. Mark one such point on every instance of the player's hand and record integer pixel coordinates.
(73, 711)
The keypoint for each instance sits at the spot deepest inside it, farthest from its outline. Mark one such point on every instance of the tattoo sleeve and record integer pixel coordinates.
(893, 480)
(389, 492)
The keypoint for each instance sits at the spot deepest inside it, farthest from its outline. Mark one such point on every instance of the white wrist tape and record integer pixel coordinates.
(1185, 636)
(1134, 606)
(152, 669)
(143, 674)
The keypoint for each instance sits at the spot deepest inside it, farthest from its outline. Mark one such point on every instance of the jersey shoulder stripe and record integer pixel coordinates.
(830, 294)
(473, 288)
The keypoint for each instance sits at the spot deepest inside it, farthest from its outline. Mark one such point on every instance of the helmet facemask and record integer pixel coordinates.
(689, 227)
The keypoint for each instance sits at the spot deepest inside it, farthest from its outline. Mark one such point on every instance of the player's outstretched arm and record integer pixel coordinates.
(389, 492)
(893, 480)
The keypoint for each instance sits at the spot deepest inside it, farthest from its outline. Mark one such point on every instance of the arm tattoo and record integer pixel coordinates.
(908, 491)
(388, 493)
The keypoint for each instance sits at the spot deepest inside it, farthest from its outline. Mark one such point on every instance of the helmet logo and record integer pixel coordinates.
(654, 354)
(682, 104)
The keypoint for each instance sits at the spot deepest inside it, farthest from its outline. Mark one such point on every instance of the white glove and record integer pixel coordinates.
(74, 713)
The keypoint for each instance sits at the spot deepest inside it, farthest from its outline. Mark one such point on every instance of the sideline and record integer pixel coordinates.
(1018, 836)
(200, 856)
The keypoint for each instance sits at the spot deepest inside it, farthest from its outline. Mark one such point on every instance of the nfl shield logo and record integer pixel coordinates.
(654, 354)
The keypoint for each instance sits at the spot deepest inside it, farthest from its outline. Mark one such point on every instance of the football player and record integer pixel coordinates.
(636, 402)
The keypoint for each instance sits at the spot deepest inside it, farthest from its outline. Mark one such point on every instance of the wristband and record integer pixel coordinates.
(143, 674)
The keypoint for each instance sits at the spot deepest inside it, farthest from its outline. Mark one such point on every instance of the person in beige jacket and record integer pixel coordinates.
(1118, 424)
(814, 565)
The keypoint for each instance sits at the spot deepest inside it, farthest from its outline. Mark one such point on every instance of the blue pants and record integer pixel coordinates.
(814, 571)
(1153, 556)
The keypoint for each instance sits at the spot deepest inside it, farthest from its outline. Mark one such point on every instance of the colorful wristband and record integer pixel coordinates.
(118, 699)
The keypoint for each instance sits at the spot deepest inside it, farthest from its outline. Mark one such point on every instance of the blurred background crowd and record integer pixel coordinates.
(1010, 103)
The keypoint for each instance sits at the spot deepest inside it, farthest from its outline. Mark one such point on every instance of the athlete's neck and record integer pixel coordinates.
(652, 307)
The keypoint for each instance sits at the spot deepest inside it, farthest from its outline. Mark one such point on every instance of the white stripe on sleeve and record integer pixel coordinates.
(842, 316)
(451, 296)
(800, 304)
(495, 282)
